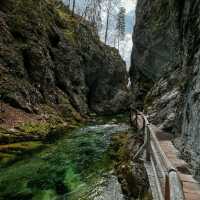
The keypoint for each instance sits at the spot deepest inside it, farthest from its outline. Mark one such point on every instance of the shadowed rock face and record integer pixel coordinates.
(155, 43)
(49, 57)
(171, 95)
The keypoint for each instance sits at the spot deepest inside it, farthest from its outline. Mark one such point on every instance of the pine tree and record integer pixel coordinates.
(121, 24)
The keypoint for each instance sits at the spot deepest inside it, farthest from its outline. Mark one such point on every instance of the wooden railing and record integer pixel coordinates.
(167, 182)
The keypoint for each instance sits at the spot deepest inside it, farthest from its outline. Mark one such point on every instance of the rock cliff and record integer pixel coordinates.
(165, 70)
(51, 62)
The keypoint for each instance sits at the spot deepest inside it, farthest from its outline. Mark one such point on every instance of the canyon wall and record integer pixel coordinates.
(165, 70)
(54, 68)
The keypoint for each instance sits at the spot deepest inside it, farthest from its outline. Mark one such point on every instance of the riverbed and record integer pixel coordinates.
(77, 166)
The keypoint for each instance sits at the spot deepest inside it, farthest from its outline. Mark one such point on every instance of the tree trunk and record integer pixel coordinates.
(107, 25)
(73, 7)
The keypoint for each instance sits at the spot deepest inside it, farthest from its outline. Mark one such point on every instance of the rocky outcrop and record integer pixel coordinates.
(155, 43)
(191, 66)
(109, 189)
(167, 45)
(49, 57)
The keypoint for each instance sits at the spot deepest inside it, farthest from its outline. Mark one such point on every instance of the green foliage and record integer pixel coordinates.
(70, 36)
(121, 24)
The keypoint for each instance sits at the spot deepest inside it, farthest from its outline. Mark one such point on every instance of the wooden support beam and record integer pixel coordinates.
(148, 145)
(167, 188)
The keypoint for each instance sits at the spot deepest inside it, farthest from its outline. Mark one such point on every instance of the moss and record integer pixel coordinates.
(35, 128)
(158, 21)
(148, 102)
(67, 111)
(22, 146)
(70, 36)
(147, 196)
(10, 152)
(6, 157)
(35, 17)
(119, 148)
(70, 24)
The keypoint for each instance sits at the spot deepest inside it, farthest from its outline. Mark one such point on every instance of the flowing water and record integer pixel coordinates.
(76, 166)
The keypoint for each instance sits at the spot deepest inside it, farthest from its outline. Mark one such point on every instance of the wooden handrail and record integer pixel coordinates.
(173, 187)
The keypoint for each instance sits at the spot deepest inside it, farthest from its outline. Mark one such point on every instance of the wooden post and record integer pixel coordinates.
(167, 188)
(148, 147)
(136, 120)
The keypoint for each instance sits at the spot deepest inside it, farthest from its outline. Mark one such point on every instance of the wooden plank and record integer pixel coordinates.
(159, 163)
(171, 156)
(193, 192)
(178, 163)
(169, 147)
(165, 159)
(189, 196)
(157, 145)
(191, 187)
(187, 178)
(168, 150)
(161, 135)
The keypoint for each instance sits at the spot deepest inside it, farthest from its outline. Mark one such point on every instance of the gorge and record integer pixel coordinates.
(65, 98)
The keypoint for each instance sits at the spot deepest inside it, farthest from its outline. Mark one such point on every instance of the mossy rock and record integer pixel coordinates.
(10, 152)
(41, 128)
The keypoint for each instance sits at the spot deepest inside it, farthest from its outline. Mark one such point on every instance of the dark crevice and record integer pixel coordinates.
(54, 39)
(26, 61)
(51, 54)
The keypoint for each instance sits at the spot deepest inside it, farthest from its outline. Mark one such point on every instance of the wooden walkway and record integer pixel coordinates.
(169, 176)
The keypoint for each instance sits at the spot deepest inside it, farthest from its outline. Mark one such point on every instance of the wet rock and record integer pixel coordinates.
(109, 189)
(131, 174)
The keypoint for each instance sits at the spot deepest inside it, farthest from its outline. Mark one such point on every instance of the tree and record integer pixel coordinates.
(93, 13)
(110, 7)
(121, 24)
(73, 7)
(67, 3)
